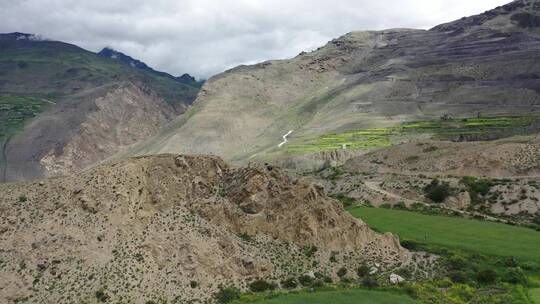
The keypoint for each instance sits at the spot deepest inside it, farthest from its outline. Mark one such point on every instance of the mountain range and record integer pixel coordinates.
(59, 103)
(483, 65)
(394, 166)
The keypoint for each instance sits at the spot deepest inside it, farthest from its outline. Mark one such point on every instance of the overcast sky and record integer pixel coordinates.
(205, 37)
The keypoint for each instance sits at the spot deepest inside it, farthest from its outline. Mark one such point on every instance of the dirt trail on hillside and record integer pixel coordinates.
(374, 185)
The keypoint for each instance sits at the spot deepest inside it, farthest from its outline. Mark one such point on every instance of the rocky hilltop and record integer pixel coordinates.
(481, 65)
(174, 228)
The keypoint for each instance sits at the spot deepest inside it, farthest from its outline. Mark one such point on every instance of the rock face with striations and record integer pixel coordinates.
(147, 228)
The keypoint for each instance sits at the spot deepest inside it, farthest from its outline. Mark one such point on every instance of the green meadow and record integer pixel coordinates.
(466, 246)
(493, 239)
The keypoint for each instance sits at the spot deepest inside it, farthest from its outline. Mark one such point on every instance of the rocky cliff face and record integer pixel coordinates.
(85, 130)
(487, 63)
(145, 228)
(64, 108)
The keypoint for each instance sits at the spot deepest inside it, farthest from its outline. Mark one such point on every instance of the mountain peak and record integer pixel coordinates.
(520, 13)
(114, 54)
(15, 36)
(135, 63)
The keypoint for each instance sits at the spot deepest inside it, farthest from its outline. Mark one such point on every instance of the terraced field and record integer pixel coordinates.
(459, 129)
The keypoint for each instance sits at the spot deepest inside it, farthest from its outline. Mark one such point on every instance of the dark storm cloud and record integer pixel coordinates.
(205, 37)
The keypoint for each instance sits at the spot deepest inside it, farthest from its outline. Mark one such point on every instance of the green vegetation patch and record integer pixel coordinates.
(534, 294)
(329, 297)
(361, 139)
(15, 110)
(59, 69)
(488, 238)
(458, 129)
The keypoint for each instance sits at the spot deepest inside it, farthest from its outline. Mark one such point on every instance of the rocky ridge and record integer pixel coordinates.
(174, 227)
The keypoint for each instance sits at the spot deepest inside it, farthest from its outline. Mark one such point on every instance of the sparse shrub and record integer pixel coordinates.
(345, 200)
(412, 290)
(362, 271)
(139, 257)
(476, 187)
(193, 284)
(342, 272)
(227, 294)
(260, 285)
(401, 205)
(410, 244)
(404, 272)
(456, 262)
(370, 282)
(317, 284)
(305, 280)
(511, 262)
(515, 275)
(289, 283)
(458, 277)
(249, 208)
(430, 149)
(437, 191)
(309, 251)
(22, 198)
(412, 158)
(346, 280)
(462, 291)
(333, 258)
(101, 295)
(246, 237)
(487, 276)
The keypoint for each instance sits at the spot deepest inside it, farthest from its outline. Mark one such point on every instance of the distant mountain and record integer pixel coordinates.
(354, 92)
(64, 108)
(111, 53)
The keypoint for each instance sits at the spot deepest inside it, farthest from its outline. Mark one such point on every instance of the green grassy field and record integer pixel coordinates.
(15, 110)
(535, 295)
(477, 128)
(534, 291)
(492, 239)
(351, 296)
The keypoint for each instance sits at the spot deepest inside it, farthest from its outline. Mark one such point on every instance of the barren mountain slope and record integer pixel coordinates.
(487, 63)
(64, 108)
(85, 129)
(512, 157)
(147, 228)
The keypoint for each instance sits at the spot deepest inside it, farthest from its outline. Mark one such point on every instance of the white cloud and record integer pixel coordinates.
(204, 37)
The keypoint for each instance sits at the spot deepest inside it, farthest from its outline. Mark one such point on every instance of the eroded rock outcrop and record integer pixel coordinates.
(146, 228)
